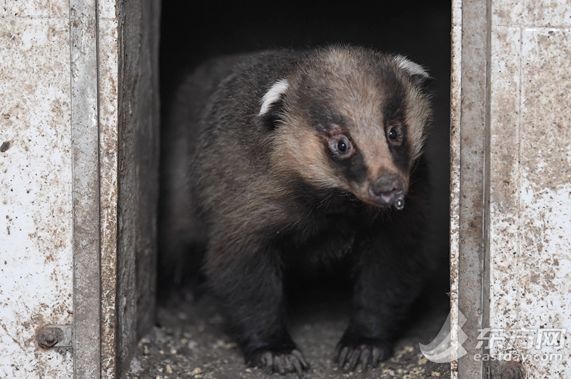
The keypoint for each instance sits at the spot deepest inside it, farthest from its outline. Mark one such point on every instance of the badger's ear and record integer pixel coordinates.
(417, 73)
(271, 104)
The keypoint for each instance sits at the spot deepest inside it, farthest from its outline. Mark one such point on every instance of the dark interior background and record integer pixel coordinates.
(192, 32)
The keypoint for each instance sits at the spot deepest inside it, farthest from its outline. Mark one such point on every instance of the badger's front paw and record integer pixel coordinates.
(358, 352)
(282, 361)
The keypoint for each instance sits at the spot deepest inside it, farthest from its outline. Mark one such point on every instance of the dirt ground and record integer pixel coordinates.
(190, 343)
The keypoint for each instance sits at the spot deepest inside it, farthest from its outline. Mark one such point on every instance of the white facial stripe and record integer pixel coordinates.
(411, 67)
(273, 95)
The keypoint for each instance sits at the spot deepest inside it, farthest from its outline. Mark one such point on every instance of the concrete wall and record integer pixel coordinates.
(78, 168)
(530, 179)
(36, 219)
(138, 172)
(511, 187)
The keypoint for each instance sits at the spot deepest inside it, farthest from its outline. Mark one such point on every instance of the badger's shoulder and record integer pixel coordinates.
(239, 94)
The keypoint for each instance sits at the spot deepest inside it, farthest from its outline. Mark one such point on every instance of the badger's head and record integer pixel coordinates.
(350, 119)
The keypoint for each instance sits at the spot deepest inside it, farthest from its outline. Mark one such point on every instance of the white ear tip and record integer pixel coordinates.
(274, 94)
(411, 67)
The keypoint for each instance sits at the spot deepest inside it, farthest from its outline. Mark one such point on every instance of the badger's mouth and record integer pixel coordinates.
(394, 199)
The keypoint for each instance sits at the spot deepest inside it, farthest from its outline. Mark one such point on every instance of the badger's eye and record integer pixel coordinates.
(341, 146)
(394, 134)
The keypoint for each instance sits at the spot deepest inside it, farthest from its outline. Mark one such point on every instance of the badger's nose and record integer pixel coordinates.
(387, 190)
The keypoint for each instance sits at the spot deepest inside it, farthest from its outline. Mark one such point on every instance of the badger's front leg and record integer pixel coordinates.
(386, 283)
(246, 278)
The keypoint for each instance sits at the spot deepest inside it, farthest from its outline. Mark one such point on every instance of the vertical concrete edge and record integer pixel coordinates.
(485, 267)
(470, 112)
(455, 111)
(85, 179)
(138, 147)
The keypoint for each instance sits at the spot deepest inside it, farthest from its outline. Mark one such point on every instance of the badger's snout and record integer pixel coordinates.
(388, 190)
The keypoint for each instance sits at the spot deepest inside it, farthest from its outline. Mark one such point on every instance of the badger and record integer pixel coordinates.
(283, 157)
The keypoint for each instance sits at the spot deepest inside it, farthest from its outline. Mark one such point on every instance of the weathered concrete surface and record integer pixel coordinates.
(35, 186)
(128, 115)
(530, 180)
(108, 63)
(519, 113)
(85, 188)
(138, 172)
(468, 147)
(59, 166)
(455, 112)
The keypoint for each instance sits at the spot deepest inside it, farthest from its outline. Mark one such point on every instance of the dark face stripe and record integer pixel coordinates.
(323, 119)
(394, 108)
(394, 111)
(353, 169)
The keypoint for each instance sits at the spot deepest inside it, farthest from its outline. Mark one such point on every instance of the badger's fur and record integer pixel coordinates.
(283, 157)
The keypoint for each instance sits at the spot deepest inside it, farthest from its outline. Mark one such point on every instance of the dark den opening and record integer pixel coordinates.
(193, 337)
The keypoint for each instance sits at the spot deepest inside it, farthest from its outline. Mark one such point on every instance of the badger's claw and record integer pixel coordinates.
(280, 362)
(363, 356)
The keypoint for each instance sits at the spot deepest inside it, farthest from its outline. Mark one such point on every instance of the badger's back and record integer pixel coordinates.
(180, 231)
(230, 134)
(212, 106)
